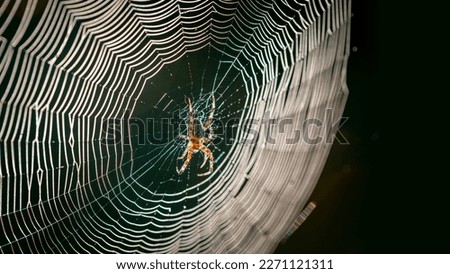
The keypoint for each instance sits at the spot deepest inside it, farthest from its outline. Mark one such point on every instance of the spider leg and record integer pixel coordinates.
(182, 136)
(211, 114)
(185, 164)
(213, 145)
(211, 134)
(205, 158)
(191, 118)
(184, 153)
(208, 153)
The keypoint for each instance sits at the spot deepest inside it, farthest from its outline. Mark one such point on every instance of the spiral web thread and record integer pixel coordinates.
(68, 67)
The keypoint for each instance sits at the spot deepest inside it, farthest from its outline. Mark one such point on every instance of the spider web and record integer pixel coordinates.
(79, 172)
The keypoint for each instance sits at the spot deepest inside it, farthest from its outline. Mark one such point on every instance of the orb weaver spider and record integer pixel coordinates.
(196, 142)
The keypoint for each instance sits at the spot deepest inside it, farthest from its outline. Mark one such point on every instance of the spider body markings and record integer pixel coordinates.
(198, 143)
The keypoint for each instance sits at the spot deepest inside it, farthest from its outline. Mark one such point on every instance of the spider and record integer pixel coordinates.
(197, 143)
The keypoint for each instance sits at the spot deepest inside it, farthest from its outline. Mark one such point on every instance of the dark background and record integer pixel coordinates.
(382, 193)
